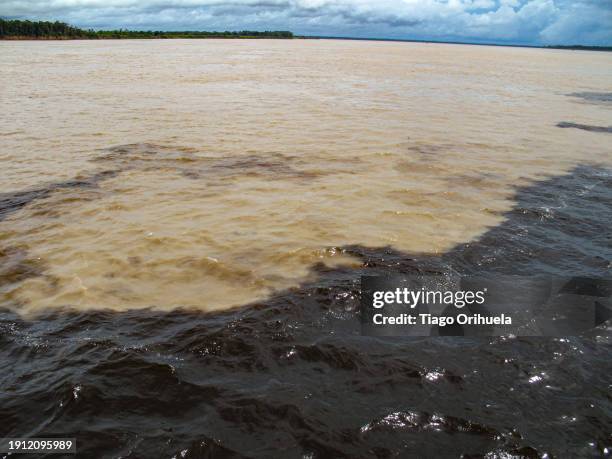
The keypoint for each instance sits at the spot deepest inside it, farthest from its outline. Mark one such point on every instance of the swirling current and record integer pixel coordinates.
(292, 376)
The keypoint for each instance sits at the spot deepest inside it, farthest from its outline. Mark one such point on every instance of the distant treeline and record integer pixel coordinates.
(192, 34)
(41, 29)
(581, 47)
(46, 30)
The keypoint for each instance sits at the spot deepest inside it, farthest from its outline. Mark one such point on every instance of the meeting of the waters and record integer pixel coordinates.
(184, 225)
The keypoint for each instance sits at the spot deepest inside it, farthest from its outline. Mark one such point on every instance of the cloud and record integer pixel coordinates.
(502, 21)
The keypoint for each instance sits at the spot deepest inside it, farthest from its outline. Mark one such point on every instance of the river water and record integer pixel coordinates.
(183, 224)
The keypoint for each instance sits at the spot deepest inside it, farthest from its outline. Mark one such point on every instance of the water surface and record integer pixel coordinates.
(183, 225)
(224, 170)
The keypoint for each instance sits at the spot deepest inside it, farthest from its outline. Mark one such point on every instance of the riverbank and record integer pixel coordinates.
(55, 38)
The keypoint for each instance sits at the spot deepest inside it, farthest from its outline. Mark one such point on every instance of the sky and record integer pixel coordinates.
(531, 22)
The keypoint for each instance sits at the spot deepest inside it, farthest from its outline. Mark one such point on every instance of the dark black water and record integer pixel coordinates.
(292, 376)
(585, 127)
(593, 97)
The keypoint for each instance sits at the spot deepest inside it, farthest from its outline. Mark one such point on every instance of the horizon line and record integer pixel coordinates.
(576, 47)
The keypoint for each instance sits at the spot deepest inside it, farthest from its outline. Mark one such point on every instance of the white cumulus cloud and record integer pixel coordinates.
(503, 21)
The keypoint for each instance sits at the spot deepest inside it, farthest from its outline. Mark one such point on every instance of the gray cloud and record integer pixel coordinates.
(504, 21)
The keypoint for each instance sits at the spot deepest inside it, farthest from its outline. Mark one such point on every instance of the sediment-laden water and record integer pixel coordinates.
(183, 225)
